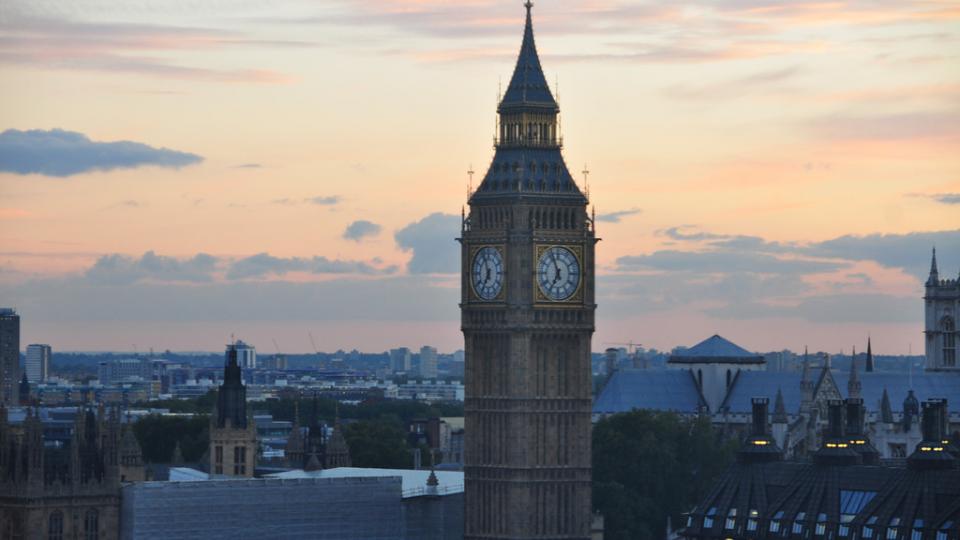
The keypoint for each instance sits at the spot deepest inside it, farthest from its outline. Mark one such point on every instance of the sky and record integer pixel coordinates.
(176, 172)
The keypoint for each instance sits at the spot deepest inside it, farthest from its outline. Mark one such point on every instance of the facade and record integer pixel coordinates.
(714, 363)
(942, 303)
(37, 365)
(400, 360)
(118, 370)
(428, 362)
(233, 435)
(431, 391)
(9, 357)
(842, 492)
(527, 315)
(246, 355)
(63, 481)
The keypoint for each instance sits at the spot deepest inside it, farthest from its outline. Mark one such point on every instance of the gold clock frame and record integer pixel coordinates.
(539, 297)
(474, 295)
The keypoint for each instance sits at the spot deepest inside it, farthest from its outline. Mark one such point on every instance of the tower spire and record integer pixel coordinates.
(869, 368)
(934, 274)
(853, 384)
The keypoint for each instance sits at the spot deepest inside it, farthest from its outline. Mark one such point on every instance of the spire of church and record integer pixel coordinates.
(886, 411)
(232, 396)
(869, 368)
(853, 384)
(934, 274)
(779, 409)
(528, 87)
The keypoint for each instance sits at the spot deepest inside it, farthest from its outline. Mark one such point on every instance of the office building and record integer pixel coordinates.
(9, 357)
(37, 364)
(428, 362)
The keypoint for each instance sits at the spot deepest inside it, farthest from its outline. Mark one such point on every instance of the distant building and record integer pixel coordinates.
(431, 391)
(9, 357)
(246, 355)
(400, 360)
(311, 447)
(942, 302)
(119, 370)
(233, 436)
(37, 364)
(714, 363)
(428, 362)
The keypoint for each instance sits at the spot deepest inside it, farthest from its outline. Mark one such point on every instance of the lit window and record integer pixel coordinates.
(775, 522)
(708, 519)
(798, 523)
(731, 519)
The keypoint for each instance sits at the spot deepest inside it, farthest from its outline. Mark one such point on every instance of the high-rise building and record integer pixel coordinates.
(527, 314)
(233, 436)
(9, 356)
(246, 355)
(37, 365)
(117, 370)
(428, 362)
(400, 360)
(940, 326)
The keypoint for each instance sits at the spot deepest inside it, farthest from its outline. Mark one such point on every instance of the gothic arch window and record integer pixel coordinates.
(91, 525)
(949, 329)
(728, 378)
(700, 378)
(55, 526)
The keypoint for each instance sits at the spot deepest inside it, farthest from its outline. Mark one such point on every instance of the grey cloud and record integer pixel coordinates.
(432, 242)
(264, 264)
(64, 153)
(947, 198)
(723, 262)
(910, 252)
(616, 217)
(360, 229)
(681, 233)
(832, 309)
(124, 270)
(248, 166)
(324, 201)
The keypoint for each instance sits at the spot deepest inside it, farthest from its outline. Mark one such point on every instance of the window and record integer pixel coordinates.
(798, 523)
(949, 342)
(944, 531)
(821, 527)
(218, 460)
(55, 526)
(708, 519)
(731, 519)
(892, 530)
(239, 460)
(91, 525)
(867, 531)
(917, 533)
(898, 450)
(775, 522)
(752, 519)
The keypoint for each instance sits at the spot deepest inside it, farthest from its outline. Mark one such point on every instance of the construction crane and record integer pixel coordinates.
(631, 345)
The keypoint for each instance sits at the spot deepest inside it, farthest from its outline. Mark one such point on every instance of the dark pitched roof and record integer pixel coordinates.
(528, 87)
(629, 389)
(716, 349)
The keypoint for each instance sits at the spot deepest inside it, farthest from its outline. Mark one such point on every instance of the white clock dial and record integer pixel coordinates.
(487, 273)
(558, 273)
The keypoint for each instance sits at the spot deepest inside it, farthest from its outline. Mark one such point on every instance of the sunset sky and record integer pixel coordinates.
(773, 171)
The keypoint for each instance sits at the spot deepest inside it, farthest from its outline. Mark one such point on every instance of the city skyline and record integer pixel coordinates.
(745, 186)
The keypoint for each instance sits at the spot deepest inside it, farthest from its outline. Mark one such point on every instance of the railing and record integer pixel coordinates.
(420, 491)
(529, 141)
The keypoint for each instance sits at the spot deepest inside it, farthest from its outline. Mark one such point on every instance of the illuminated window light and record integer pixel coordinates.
(760, 443)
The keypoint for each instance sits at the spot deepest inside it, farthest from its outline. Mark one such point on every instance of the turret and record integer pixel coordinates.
(886, 411)
(853, 384)
(911, 409)
(934, 279)
(869, 366)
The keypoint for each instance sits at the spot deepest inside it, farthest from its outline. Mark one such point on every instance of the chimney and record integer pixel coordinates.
(835, 417)
(854, 417)
(760, 416)
(856, 434)
(932, 452)
(836, 448)
(759, 446)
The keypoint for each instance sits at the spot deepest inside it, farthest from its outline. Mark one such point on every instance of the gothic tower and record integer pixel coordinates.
(942, 306)
(527, 315)
(233, 436)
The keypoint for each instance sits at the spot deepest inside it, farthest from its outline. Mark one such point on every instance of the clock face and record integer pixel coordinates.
(487, 273)
(558, 273)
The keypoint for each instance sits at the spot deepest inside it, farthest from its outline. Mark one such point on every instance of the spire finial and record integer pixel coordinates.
(529, 5)
(934, 274)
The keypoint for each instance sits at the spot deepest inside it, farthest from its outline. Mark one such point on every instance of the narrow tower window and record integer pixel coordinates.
(949, 342)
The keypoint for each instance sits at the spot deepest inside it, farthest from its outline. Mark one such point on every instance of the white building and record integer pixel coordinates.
(400, 360)
(38, 362)
(246, 355)
(428, 362)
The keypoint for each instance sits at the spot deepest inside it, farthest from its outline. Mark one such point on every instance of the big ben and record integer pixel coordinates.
(527, 315)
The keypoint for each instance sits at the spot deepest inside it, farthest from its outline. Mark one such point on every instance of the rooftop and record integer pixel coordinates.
(717, 349)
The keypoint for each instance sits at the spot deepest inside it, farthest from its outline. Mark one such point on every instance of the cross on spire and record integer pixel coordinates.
(529, 5)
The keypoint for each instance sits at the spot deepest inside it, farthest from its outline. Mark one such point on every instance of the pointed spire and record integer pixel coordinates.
(528, 87)
(934, 274)
(853, 385)
(886, 411)
(313, 464)
(869, 368)
(779, 409)
(177, 459)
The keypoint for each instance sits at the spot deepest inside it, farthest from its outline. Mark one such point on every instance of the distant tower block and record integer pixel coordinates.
(527, 310)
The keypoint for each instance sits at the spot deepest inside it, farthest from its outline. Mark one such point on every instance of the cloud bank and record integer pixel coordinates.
(432, 242)
(63, 153)
(360, 229)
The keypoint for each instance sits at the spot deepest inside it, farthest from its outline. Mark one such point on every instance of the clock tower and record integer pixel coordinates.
(527, 315)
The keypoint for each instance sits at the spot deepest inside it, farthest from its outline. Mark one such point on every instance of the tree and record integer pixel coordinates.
(649, 465)
(377, 443)
(158, 435)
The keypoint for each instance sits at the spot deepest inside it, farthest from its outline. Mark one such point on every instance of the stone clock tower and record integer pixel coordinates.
(527, 311)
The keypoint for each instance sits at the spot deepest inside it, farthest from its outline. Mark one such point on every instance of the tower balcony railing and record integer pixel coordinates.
(528, 141)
